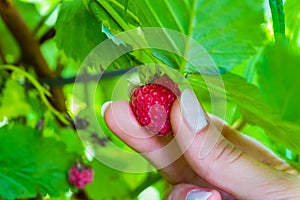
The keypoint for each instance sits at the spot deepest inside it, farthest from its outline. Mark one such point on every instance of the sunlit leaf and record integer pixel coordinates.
(30, 164)
(77, 31)
(279, 82)
(108, 183)
(8, 44)
(50, 52)
(13, 102)
(292, 17)
(221, 27)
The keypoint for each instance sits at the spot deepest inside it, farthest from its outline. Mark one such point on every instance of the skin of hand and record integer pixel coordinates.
(216, 162)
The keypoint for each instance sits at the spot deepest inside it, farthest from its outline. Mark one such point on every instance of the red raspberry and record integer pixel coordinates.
(80, 176)
(151, 104)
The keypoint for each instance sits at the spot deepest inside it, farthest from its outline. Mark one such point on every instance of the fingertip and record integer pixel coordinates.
(122, 122)
(104, 107)
(185, 191)
(203, 194)
(119, 117)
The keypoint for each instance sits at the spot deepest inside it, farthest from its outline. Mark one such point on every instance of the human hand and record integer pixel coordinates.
(211, 161)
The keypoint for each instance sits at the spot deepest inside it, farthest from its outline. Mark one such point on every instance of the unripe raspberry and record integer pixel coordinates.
(80, 175)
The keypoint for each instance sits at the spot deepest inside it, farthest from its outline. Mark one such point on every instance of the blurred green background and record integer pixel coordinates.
(255, 45)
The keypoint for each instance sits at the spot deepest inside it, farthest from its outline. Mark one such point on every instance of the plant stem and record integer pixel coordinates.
(277, 11)
(48, 35)
(84, 78)
(42, 91)
(149, 180)
(239, 124)
(31, 53)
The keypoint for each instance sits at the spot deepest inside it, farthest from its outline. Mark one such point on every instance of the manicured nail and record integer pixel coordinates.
(198, 195)
(192, 111)
(104, 107)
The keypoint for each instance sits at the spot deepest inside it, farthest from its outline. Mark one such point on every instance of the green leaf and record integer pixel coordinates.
(221, 27)
(31, 164)
(253, 107)
(68, 136)
(279, 81)
(50, 53)
(114, 14)
(77, 31)
(116, 40)
(13, 101)
(29, 13)
(278, 18)
(292, 17)
(108, 180)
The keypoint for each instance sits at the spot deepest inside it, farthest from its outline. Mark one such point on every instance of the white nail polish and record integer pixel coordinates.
(192, 111)
(198, 195)
(104, 107)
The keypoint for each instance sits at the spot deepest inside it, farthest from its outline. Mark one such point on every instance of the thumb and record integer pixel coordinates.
(217, 160)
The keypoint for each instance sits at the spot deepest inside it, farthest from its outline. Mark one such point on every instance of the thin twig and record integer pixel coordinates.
(43, 92)
(59, 81)
(48, 35)
(239, 124)
(31, 53)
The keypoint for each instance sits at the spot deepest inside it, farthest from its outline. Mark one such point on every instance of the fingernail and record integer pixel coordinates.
(198, 195)
(193, 113)
(104, 107)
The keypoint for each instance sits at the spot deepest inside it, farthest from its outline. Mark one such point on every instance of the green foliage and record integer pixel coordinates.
(13, 101)
(31, 164)
(29, 13)
(279, 82)
(8, 44)
(219, 26)
(113, 15)
(278, 18)
(77, 32)
(259, 76)
(292, 16)
(81, 28)
(109, 181)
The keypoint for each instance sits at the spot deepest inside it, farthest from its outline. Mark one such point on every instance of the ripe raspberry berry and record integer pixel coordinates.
(80, 175)
(151, 104)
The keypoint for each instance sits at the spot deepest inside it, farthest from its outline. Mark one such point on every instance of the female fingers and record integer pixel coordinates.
(160, 152)
(219, 161)
(253, 147)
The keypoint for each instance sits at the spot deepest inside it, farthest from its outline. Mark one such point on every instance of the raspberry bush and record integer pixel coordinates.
(43, 121)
